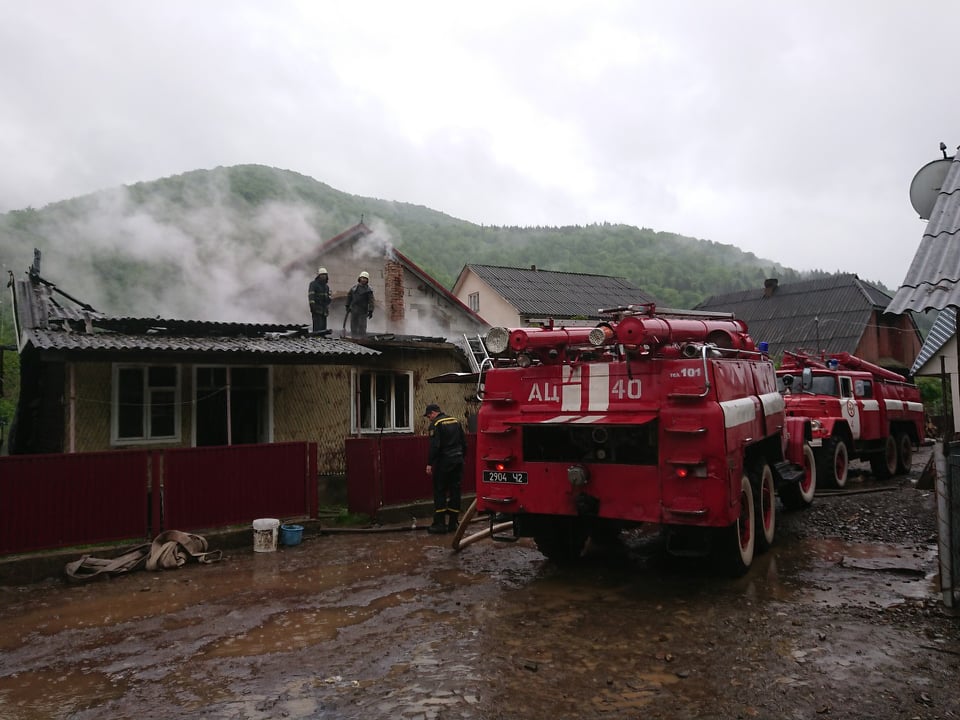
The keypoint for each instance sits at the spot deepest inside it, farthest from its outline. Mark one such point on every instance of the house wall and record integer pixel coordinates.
(404, 304)
(92, 399)
(887, 340)
(493, 308)
(310, 403)
(933, 367)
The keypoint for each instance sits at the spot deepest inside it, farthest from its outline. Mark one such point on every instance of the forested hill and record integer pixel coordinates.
(188, 245)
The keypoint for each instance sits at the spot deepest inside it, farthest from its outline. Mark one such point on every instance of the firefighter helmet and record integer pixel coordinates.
(321, 271)
(364, 274)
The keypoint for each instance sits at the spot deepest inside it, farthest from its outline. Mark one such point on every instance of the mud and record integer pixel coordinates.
(840, 619)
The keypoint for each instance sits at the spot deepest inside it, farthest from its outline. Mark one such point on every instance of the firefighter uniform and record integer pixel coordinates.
(448, 447)
(360, 305)
(318, 295)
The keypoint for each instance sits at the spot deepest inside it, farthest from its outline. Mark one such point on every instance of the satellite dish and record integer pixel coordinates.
(926, 184)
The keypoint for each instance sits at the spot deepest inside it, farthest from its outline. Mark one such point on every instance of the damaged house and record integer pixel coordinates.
(92, 381)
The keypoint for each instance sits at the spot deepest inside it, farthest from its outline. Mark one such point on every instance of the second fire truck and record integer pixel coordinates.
(859, 411)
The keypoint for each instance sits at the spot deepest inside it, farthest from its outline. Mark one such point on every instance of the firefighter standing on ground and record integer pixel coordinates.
(318, 295)
(448, 447)
(360, 305)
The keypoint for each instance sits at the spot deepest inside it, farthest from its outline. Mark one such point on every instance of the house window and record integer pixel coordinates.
(474, 299)
(382, 401)
(232, 405)
(146, 403)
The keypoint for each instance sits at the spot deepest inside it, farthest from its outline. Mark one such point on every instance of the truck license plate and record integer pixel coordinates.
(494, 476)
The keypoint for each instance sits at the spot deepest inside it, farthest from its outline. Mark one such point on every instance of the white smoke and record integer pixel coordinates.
(225, 266)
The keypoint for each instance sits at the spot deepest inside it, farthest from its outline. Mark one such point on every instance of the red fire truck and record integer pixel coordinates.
(859, 411)
(669, 417)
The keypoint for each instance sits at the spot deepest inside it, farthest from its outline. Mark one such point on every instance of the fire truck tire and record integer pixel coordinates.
(764, 505)
(800, 495)
(904, 453)
(834, 463)
(562, 542)
(737, 541)
(884, 465)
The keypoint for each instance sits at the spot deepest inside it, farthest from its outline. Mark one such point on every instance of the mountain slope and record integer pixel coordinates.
(189, 245)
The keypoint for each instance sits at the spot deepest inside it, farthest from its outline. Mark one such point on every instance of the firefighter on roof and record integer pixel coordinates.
(448, 447)
(360, 305)
(318, 295)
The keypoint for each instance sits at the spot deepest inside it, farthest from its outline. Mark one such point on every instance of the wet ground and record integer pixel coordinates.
(840, 619)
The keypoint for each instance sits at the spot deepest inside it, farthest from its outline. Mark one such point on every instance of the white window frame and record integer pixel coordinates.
(148, 438)
(473, 299)
(355, 402)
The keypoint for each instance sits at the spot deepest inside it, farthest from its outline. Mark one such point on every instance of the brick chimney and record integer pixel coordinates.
(393, 289)
(770, 286)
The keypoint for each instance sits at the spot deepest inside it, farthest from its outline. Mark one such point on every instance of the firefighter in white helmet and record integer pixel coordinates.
(360, 305)
(318, 295)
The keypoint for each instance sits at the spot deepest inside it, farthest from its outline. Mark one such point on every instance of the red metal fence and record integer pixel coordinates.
(218, 486)
(51, 501)
(391, 471)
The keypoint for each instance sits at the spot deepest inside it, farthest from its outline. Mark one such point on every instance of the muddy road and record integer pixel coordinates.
(838, 620)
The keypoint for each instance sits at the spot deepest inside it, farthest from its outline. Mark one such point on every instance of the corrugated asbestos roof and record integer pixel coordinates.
(549, 293)
(826, 313)
(943, 329)
(933, 280)
(266, 345)
(47, 323)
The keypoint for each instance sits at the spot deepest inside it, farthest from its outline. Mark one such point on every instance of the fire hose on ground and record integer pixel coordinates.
(461, 539)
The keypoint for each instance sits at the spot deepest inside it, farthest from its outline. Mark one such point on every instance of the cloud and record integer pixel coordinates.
(791, 131)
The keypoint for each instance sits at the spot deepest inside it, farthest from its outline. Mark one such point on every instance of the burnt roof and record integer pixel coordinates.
(50, 320)
(552, 293)
(831, 312)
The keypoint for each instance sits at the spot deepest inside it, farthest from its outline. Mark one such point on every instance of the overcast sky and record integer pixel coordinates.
(791, 130)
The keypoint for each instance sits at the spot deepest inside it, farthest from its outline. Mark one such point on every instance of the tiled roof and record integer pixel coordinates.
(933, 280)
(943, 329)
(549, 293)
(828, 313)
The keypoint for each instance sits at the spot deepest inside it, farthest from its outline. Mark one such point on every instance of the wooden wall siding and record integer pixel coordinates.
(311, 403)
(93, 409)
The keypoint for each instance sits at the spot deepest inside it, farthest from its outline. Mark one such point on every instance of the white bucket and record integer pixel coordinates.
(265, 534)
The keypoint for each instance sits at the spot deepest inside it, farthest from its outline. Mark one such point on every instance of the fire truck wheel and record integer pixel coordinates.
(904, 453)
(764, 505)
(884, 465)
(800, 495)
(833, 463)
(737, 542)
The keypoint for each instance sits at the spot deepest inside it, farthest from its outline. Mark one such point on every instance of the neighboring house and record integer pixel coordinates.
(93, 382)
(834, 314)
(933, 280)
(938, 356)
(519, 297)
(408, 300)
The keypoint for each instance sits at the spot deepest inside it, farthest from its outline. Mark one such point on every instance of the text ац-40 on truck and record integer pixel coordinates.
(661, 417)
(860, 411)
